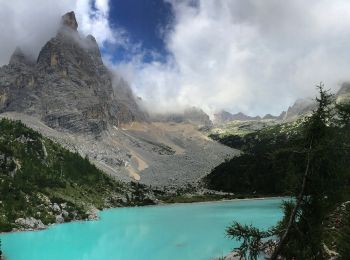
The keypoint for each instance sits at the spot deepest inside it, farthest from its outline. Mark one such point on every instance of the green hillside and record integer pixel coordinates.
(42, 180)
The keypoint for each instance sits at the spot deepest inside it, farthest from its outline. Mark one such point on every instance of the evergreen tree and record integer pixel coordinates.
(321, 186)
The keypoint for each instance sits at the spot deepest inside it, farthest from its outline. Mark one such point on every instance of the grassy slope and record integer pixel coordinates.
(35, 173)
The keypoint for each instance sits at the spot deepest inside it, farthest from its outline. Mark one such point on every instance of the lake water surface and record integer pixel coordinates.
(172, 232)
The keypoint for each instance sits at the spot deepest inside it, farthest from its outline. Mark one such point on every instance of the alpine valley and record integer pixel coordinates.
(75, 140)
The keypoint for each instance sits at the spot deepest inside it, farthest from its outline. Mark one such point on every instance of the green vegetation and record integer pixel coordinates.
(196, 198)
(36, 174)
(308, 161)
(267, 164)
(238, 129)
(251, 238)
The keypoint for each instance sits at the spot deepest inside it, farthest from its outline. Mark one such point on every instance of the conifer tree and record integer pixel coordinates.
(321, 185)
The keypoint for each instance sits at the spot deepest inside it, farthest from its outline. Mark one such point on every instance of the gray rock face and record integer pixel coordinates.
(301, 107)
(69, 21)
(69, 87)
(59, 219)
(56, 208)
(30, 223)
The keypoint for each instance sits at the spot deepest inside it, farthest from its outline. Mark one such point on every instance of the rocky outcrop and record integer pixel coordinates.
(68, 87)
(30, 223)
(343, 94)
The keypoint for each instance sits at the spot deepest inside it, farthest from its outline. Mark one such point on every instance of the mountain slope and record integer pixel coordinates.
(42, 183)
(69, 96)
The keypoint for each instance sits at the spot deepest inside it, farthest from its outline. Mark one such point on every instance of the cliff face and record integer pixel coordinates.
(68, 87)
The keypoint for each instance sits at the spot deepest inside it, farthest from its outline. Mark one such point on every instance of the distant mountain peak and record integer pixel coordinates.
(269, 116)
(18, 57)
(224, 116)
(68, 20)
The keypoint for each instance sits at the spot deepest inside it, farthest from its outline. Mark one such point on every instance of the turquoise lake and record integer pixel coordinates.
(176, 231)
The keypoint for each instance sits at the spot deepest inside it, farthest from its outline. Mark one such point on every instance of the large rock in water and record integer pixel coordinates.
(68, 87)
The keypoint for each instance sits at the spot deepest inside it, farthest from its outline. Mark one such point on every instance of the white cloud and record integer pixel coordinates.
(93, 18)
(251, 56)
(30, 24)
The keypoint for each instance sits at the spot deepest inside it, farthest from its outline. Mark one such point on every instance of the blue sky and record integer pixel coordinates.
(145, 22)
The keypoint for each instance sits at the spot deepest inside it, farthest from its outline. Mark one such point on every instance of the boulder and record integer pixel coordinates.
(30, 223)
(59, 219)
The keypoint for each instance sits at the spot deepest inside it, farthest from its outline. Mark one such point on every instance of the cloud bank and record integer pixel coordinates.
(251, 56)
(30, 24)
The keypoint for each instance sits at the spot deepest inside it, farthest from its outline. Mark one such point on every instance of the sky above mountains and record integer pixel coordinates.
(252, 56)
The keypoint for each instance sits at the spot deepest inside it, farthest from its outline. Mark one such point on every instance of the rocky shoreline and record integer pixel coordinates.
(63, 215)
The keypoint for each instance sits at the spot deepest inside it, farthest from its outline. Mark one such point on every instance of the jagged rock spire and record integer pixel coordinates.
(68, 20)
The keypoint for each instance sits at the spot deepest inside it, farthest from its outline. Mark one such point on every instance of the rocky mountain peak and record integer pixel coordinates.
(68, 20)
(69, 87)
(18, 57)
